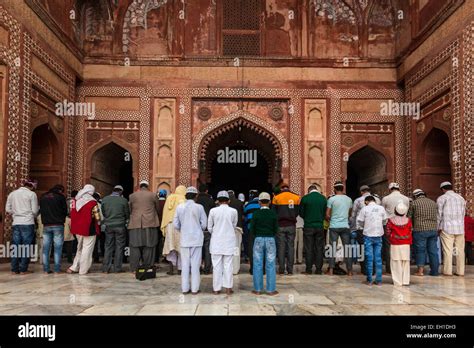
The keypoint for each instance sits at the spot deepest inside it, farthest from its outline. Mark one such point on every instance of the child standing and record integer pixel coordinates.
(264, 227)
(400, 235)
(371, 219)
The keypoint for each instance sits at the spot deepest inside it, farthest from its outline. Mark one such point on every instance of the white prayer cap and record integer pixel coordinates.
(401, 208)
(120, 187)
(393, 185)
(191, 189)
(364, 188)
(241, 197)
(144, 182)
(223, 194)
(418, 192)
(264, 196)
(445, 183)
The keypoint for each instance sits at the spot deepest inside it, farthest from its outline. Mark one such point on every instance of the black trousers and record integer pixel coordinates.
(67, 247)
(159, 246)
(469, 254)
(114, 245)
(360, 241)
(206, 253)
(313, 242)
(386, 251)
(99, 244)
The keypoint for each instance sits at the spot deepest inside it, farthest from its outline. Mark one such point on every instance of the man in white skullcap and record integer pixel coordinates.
(389, 202)
(143, 226)
(221, 224)
(191, 221)
(451, 211)
(423, 213)
(359, 204)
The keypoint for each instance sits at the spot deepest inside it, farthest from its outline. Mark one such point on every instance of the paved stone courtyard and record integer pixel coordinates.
(122, 294)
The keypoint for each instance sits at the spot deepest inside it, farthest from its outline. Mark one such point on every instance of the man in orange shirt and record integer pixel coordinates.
(286, 206)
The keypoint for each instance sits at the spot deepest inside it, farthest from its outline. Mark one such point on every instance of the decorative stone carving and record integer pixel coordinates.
(58, 124)
(348, 141)
(34, 110)
(447, 115)
(420, 128)
(384, 140)
(130, 137)
(276, 113)
(204, 113)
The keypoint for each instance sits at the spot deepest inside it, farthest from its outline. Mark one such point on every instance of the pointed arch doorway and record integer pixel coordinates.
(112, 164)
(366, 166)
(433, 162)
(240, 156)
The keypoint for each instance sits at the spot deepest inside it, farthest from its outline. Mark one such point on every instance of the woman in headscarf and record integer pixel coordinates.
(85, 219)
(171, 246)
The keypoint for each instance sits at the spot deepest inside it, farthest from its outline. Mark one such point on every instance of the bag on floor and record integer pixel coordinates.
(144, 273)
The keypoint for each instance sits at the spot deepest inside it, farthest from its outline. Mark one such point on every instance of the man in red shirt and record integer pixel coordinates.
(469, 238)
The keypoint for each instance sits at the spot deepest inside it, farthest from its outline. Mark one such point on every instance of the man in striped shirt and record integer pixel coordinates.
(451, 211)
(423, 212)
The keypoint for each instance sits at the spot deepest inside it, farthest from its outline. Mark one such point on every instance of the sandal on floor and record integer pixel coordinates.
(70, 271)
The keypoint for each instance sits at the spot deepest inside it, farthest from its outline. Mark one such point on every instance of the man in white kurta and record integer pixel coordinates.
(190, 220)
(221, 224)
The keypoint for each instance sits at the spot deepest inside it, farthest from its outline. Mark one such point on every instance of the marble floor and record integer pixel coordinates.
(122, 294)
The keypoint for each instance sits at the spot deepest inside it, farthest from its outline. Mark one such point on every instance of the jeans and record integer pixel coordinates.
(373, 250)
(23, 235)
(345, 234)
(206, 253)
(115, 238)
(53, 234)
(313, 248)
(264, 247)
(286, 248)
(426, 242)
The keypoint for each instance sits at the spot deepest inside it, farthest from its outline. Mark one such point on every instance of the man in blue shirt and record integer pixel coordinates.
(338, 211)
(250, 207)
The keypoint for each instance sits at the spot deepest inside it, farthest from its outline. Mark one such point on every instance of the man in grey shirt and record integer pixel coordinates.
(22, 204)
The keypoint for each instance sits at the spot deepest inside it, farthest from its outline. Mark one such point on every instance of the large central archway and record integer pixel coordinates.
(259, 151)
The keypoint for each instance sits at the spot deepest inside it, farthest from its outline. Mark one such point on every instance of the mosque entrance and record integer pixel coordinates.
(110, 167)
(240, 156)
(433, 163)
(366, 166)
(46, 158)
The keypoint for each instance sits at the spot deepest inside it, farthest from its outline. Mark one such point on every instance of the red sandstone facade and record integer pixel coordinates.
(302, 81)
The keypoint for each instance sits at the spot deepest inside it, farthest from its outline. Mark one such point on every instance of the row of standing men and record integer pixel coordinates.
(150, 220)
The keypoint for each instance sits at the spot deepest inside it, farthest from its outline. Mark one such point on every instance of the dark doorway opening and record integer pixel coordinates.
(240, 177)
(112, 165)
(46, 159)
(240, 135)
(366, 166)
(434, 166)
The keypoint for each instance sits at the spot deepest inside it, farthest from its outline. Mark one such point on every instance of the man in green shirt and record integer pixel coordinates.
(264, 226)
(313, 210)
